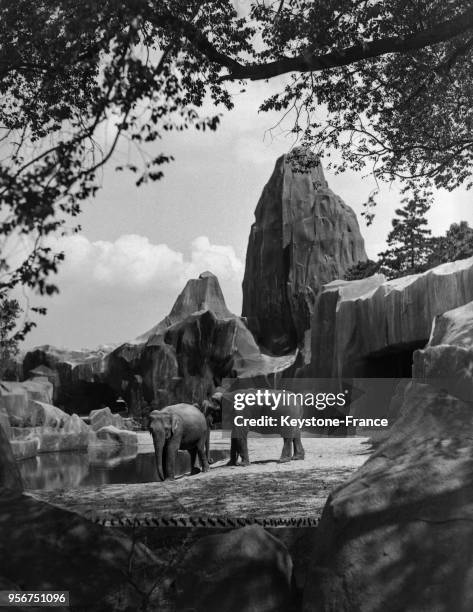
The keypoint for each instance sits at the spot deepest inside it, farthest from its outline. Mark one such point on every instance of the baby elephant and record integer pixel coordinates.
(180, 426)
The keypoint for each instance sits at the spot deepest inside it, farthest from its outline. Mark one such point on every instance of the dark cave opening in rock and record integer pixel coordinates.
(83, 396)
(393, 362)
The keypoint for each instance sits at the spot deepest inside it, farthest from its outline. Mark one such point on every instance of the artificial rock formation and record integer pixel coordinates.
(33, 425)
(199, 294)
(241, 570)
(49, 548)
(11, 485)
(77, 376)
(447, 360)
(398, 536)
(104, 417)
(371, 327)
(114, 435)
(187, 355)
(182, 358)
(303, 237)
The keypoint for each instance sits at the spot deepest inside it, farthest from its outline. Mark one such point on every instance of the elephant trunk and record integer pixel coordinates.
(158, 442)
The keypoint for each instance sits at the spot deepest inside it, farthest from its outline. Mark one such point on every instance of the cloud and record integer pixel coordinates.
(112, 291)
(219, 259)
(132, 262)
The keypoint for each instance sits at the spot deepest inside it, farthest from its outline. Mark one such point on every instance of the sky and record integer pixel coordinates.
(139, 246)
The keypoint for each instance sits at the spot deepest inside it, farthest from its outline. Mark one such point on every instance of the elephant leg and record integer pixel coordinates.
(202, 456)
(245, 459)
(207, 442)
(170, 469)
(286, 451)
(233, 451)
(165, 462)
(193, 454)
(299, 452)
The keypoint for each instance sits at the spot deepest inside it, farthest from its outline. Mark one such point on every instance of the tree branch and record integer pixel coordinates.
(196, 38)
(312, 62)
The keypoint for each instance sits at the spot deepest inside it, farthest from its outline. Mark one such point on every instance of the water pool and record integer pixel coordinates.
(95, 467)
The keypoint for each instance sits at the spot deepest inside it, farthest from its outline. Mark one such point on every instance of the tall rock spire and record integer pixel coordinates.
(303, 236)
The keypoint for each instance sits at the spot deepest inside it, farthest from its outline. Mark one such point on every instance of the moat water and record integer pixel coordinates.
(96, 467)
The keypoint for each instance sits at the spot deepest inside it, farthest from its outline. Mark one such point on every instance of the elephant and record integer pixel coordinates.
(212, 411)
(180, 426)
(292, 447)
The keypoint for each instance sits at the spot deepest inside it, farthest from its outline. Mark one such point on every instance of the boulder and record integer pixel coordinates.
(371, 327)
(104, 416)
(36, 427)
(303, 237)
(49, 548)
(18, 400)
(454, 327)
(45, 415)
(447, 360)
(123, 437)
(100, 418)
(243, 570)
(74, 424)
(27, 404)
(13, 403)
(397, 537)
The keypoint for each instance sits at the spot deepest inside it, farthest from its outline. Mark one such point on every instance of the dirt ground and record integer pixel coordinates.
(274, 494)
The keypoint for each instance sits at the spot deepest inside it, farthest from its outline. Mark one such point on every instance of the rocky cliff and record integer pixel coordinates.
(370, 328)
(398, 535)
(199, 294)
(182, 358)
(303, 237)
(188, 354)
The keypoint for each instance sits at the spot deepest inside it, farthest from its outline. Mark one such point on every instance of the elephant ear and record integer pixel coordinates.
(176, 423)
(150, 418)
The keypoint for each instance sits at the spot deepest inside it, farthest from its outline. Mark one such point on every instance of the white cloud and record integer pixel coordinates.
(132, 262)
(112, 291)
(219, 259)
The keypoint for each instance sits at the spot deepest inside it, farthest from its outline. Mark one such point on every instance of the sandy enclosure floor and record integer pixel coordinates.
(265, 490)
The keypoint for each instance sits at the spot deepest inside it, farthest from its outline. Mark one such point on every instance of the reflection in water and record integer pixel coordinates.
(98, 466)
